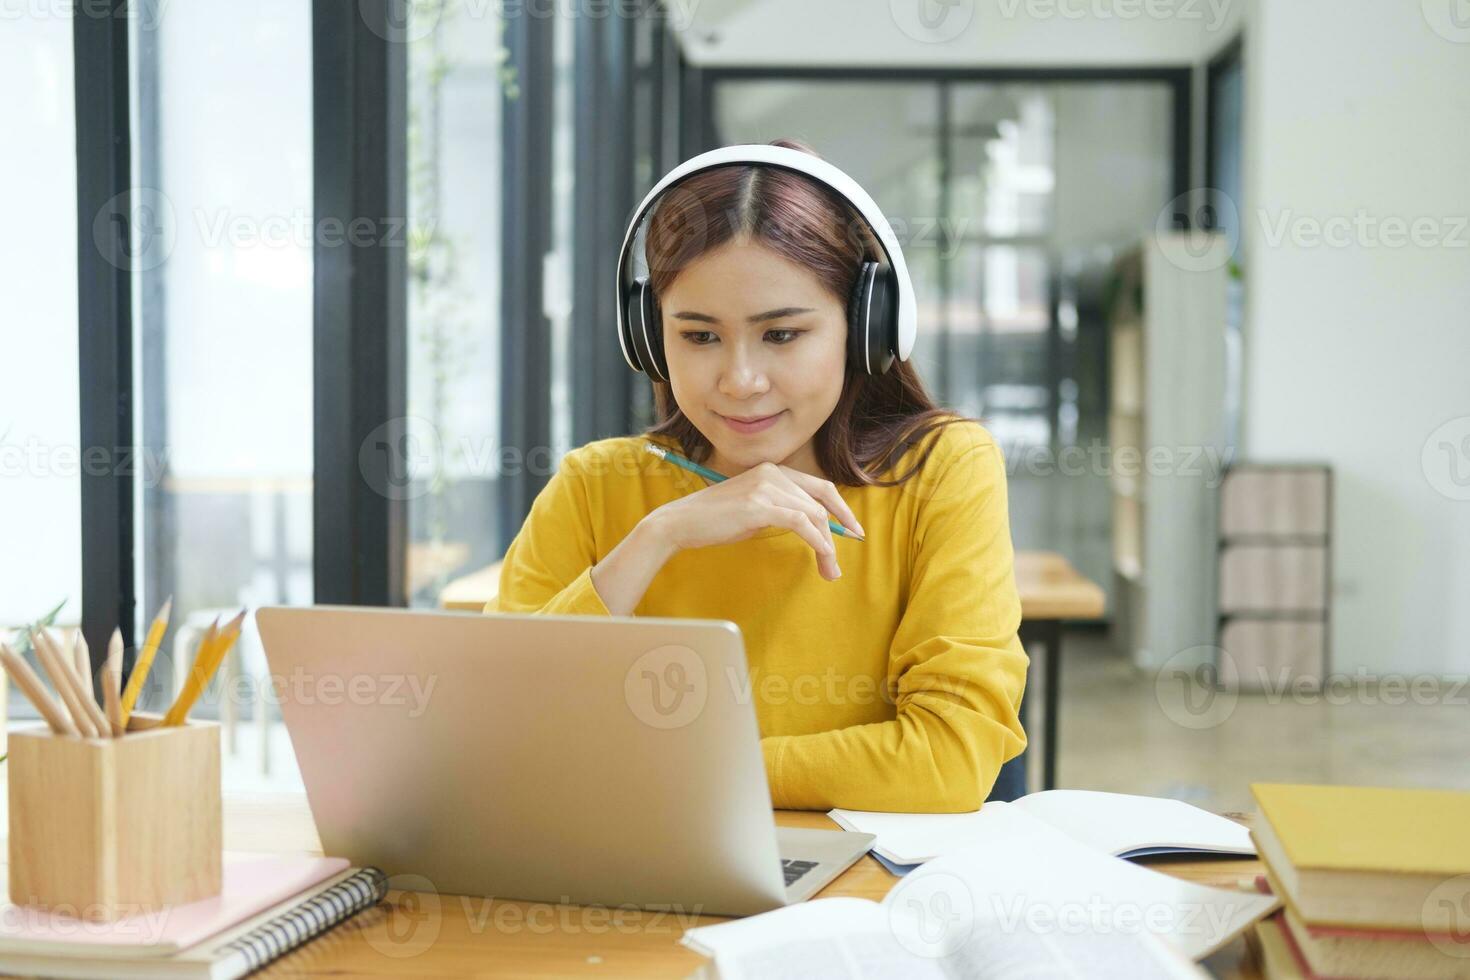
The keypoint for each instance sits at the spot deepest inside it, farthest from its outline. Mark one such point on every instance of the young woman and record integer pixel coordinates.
(886, 673)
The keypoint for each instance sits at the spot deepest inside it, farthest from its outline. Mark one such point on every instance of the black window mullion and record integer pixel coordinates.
(696, 129)
(359, 135)
(525, 336)
(602, 381)
(105, 209)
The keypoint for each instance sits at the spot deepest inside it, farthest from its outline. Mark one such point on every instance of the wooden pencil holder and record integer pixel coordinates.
(102, 828)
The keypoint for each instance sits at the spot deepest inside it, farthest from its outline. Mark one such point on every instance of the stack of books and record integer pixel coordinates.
(1375, 883)
(269, 905)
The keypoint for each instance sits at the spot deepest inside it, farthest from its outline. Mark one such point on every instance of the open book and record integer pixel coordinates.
(1034, 902)
(1113, 823)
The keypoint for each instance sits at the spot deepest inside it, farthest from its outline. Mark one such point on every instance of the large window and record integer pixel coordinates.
(327, 303)
(457, 78)
(40, 460)
(223, 234)
(222, 257)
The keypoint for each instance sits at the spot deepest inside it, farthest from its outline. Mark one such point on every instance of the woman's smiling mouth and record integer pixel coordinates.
(760, 424)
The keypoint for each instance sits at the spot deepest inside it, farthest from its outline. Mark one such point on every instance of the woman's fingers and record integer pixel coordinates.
(825, 493)
(798, 520)
(797, 499)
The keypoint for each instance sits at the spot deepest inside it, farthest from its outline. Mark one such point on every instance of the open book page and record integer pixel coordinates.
(1118, 823)
(1017, 956)
(1115, 823)
(819, 918)
(912, 838)
(1046, 882)
(1036, 904)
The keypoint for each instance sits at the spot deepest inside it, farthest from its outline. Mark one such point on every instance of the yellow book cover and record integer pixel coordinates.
(1364, 828)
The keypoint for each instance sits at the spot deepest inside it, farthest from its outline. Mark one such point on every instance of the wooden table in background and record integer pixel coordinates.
(1052, 593)
(420, 935)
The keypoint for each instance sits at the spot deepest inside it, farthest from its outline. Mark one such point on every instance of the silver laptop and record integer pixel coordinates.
(591, 760)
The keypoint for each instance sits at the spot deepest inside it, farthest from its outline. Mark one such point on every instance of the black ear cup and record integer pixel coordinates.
(872, 320)
(645, 337)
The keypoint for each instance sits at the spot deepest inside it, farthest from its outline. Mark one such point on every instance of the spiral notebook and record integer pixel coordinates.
(239, 948)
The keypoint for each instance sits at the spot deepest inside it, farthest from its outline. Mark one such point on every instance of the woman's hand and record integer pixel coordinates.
(766, 495)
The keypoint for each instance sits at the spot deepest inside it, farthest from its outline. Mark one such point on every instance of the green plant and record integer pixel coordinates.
(22, 644)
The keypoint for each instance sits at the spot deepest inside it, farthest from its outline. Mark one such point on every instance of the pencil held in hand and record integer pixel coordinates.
(709, 474)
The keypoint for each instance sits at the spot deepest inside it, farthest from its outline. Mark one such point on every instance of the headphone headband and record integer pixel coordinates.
(811, 166)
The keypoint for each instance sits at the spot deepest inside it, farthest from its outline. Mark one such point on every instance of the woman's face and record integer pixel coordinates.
(748, 334)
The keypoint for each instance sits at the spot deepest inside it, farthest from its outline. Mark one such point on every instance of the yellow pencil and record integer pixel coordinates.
(212, 650)
(145, 660)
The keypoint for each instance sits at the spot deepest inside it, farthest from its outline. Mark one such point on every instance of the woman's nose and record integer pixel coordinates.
(742, 375)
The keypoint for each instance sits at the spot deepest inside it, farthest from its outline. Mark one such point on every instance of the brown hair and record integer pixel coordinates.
(878, 418)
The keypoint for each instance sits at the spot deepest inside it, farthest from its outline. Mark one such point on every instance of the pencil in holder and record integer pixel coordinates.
(102, 828)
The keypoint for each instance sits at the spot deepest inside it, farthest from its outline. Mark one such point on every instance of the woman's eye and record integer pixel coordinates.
(701, 338)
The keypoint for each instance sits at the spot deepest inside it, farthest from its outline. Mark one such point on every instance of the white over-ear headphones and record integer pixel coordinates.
(881, 320)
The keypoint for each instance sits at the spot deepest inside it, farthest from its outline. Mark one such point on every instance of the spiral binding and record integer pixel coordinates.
(321, 912)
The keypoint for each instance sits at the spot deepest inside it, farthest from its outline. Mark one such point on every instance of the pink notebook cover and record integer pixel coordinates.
(251, 884)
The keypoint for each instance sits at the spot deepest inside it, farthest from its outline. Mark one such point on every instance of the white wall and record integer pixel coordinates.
(1356, 354)
(971, 32)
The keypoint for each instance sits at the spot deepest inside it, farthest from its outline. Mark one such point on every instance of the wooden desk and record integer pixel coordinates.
(417, 934)
(1051, 589)
(1052, 592)
(469, 593)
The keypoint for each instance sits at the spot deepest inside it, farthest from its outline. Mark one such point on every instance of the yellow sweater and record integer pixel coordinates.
(895, 687)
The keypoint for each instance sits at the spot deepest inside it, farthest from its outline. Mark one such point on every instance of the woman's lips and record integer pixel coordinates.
(749, 427)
